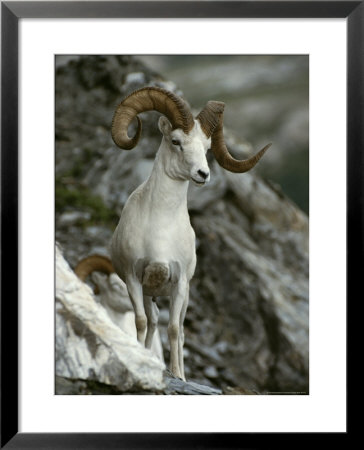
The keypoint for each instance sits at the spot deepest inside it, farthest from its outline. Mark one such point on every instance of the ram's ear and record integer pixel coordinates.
(164, 125)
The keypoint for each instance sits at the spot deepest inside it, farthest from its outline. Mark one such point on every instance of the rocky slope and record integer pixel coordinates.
(247, 322)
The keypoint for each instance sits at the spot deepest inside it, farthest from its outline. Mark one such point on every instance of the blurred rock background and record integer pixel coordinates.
(247, 322)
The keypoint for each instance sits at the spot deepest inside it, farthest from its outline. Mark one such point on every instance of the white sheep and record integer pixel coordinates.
(113, 296)
(153, 246)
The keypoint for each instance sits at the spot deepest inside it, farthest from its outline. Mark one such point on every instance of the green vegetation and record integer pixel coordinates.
(75, 197)
(292, 175)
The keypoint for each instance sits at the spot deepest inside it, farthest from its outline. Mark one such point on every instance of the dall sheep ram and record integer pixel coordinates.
(153, 246)
(113, 296)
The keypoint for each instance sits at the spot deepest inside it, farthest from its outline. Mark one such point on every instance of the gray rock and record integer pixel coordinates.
(173, 386)
(72, 218)
(211, 372)
(135, 77)
(178, 386)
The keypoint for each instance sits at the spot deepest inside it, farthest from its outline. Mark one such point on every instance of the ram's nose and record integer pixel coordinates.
(203, 174)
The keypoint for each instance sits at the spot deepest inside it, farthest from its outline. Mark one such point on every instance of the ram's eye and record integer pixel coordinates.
(175, 142)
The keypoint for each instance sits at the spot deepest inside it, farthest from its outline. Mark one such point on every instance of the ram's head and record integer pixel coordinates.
(187, 137)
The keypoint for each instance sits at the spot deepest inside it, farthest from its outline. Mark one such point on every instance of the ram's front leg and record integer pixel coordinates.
(174, 326)
(135, 291)
(181, 339)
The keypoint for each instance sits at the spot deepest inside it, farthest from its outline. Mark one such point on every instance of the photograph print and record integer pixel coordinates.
(181, 215)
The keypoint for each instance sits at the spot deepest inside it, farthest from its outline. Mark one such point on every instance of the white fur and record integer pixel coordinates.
(154, 236)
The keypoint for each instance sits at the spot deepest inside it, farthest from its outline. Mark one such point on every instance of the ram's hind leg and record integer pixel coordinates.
(152, 313)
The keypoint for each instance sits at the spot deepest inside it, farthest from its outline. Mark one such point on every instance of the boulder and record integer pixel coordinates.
(89, 346)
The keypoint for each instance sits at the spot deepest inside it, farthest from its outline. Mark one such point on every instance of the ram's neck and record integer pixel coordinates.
(163, 189)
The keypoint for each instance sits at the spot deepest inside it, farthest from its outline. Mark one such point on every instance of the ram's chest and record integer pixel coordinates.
(153, 235)
(169, 240)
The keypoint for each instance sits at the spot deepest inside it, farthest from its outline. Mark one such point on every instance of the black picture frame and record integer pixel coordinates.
(11, 12)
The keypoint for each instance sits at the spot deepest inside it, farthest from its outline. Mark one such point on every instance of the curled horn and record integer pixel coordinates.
(209, 117)
(93, 263)
(211, 121)
(148, 99)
